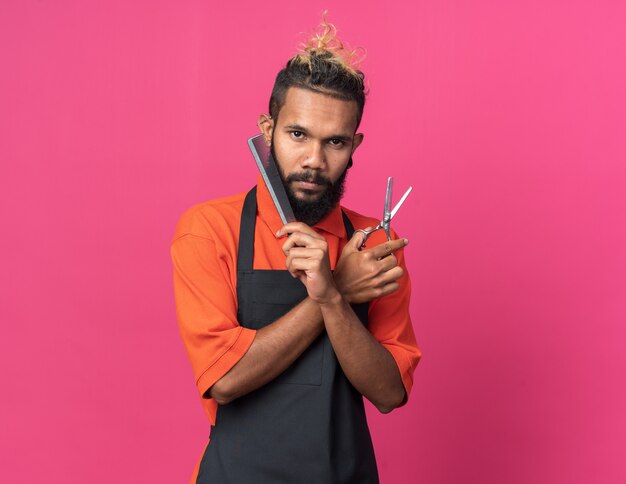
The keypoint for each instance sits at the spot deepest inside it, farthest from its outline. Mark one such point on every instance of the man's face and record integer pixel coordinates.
(312, 141)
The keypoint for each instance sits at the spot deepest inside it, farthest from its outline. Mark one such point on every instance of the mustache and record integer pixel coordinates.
(310, 177)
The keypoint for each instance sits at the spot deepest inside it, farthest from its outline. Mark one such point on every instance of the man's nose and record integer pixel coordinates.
(315, 157)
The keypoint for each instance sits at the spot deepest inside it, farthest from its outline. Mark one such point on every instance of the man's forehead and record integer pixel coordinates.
(314, 110)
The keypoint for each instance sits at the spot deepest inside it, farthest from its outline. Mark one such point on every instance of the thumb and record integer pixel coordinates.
(356, 241)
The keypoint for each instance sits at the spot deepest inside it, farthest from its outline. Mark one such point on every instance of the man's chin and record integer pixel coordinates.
(310, 202)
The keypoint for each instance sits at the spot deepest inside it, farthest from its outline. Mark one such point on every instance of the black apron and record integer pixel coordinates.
(308, 425)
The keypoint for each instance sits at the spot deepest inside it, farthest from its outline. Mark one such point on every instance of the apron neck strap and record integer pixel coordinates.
(245, 253)
(348, 225)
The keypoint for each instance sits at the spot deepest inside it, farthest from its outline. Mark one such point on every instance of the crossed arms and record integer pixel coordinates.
(360, 276)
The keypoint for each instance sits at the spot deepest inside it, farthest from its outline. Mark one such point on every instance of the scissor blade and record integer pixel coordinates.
(399, 204)
(388, 197)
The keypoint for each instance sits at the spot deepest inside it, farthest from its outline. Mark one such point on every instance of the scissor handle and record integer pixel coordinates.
(366, 234)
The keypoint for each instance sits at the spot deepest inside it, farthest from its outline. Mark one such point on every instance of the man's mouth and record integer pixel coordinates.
(308, 185)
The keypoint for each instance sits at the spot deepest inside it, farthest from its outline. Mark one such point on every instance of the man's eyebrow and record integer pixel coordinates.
(296, 127)
(341, 137)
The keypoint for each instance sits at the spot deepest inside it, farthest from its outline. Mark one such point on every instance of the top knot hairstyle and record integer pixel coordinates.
(324, 65)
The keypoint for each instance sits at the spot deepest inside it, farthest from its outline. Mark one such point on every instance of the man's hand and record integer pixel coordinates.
(363, 275)
(307, 259)
(359, 276)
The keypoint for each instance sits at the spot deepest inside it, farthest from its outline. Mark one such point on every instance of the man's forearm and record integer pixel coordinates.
(274, 349)
(366, 363)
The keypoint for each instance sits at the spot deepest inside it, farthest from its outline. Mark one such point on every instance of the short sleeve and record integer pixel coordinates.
(390, 323)
(206, 307)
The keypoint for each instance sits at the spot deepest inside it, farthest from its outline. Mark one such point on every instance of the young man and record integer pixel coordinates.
(288, 327)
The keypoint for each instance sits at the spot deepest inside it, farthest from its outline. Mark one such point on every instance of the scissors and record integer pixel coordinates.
(388, 214)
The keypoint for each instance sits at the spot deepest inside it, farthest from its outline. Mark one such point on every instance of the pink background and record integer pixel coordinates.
(508, 118)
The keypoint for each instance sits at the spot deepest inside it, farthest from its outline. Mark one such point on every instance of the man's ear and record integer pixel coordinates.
(358, 139)
(266, 125)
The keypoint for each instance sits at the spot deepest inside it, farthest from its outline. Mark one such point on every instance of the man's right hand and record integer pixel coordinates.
(363, 275)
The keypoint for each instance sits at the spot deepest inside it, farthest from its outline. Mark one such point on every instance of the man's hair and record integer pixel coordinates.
(325, 66)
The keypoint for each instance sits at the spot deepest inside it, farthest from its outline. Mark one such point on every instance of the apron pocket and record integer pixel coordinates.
(274, 293)
(307, 368)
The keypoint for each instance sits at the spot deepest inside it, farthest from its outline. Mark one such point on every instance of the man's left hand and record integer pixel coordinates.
(363, 275)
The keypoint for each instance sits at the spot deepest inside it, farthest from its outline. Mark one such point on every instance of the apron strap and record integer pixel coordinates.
(245, 253)
(348, 225)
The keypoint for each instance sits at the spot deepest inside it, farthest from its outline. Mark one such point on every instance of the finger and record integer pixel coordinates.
(361, 238)
(389, 288)
(299, 239)
(356, 242)
(303, 253)
(297, 274)
(304, 265)
(387, 248)
(387, 263)
(292, 227)
(390, 276)
(306, 253)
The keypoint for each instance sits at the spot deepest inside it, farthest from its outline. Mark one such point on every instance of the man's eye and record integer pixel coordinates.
(336, 142)
(297, 134)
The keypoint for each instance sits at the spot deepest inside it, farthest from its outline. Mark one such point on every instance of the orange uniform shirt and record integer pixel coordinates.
(204, 254)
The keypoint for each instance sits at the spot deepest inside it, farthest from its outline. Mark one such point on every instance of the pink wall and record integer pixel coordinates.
(508, 118)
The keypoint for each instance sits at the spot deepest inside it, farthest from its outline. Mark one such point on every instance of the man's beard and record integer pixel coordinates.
(312, 211)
